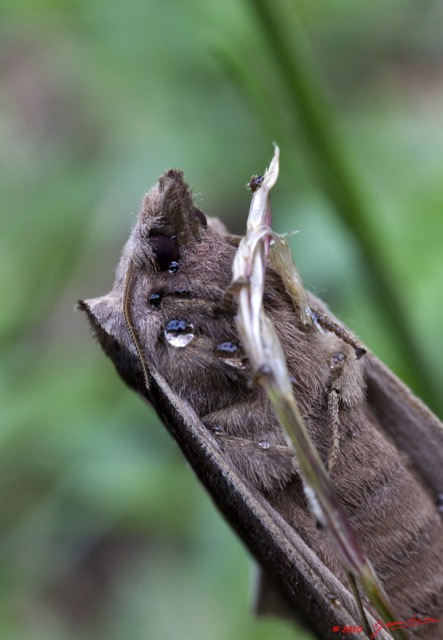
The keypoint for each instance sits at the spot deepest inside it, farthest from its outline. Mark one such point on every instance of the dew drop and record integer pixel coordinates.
(217, 430)
(229, 352)
(179, 333)
(264, 444)
(337, 361)
(255, 183)
(155, 299)
(227, 347)
(173, 267)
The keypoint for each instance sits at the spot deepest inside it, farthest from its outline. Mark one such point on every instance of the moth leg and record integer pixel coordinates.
(251, 439)
(268, 467)
(323, 321)
(334, 389)
(228, 302)
(334, 424)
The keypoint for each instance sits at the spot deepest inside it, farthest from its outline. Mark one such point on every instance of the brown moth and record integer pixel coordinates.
(169, 328)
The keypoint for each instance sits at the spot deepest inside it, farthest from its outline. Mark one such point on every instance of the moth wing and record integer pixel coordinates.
(412, 426)
(415, 430)
(310, 591)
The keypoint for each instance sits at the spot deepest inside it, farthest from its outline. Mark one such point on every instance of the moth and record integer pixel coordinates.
(168, 325)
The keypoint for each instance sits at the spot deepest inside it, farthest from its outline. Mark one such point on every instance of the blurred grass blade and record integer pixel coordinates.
(296, 78)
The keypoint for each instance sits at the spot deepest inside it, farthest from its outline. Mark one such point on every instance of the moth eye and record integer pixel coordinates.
(155, 299)
(440, 502)
(165, 251)
(179, 333)
(201, 218)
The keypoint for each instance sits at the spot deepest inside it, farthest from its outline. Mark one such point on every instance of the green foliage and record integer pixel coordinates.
(105, 533)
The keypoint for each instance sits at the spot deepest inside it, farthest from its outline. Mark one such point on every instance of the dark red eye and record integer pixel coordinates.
(165, 251)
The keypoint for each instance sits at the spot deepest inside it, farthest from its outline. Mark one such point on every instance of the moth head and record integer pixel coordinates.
(168, 224)
(172, 249)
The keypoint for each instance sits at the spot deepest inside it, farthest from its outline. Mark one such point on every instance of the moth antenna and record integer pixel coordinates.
(334, 423)
(326, 323)
(127, 300)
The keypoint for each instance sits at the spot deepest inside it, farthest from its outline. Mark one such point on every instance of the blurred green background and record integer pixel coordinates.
(105, 533)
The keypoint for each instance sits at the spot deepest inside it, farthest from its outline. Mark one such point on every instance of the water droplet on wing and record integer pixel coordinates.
(173, 267)
(217, 430)
(231, 354)
(179, 333)
(155, 299)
